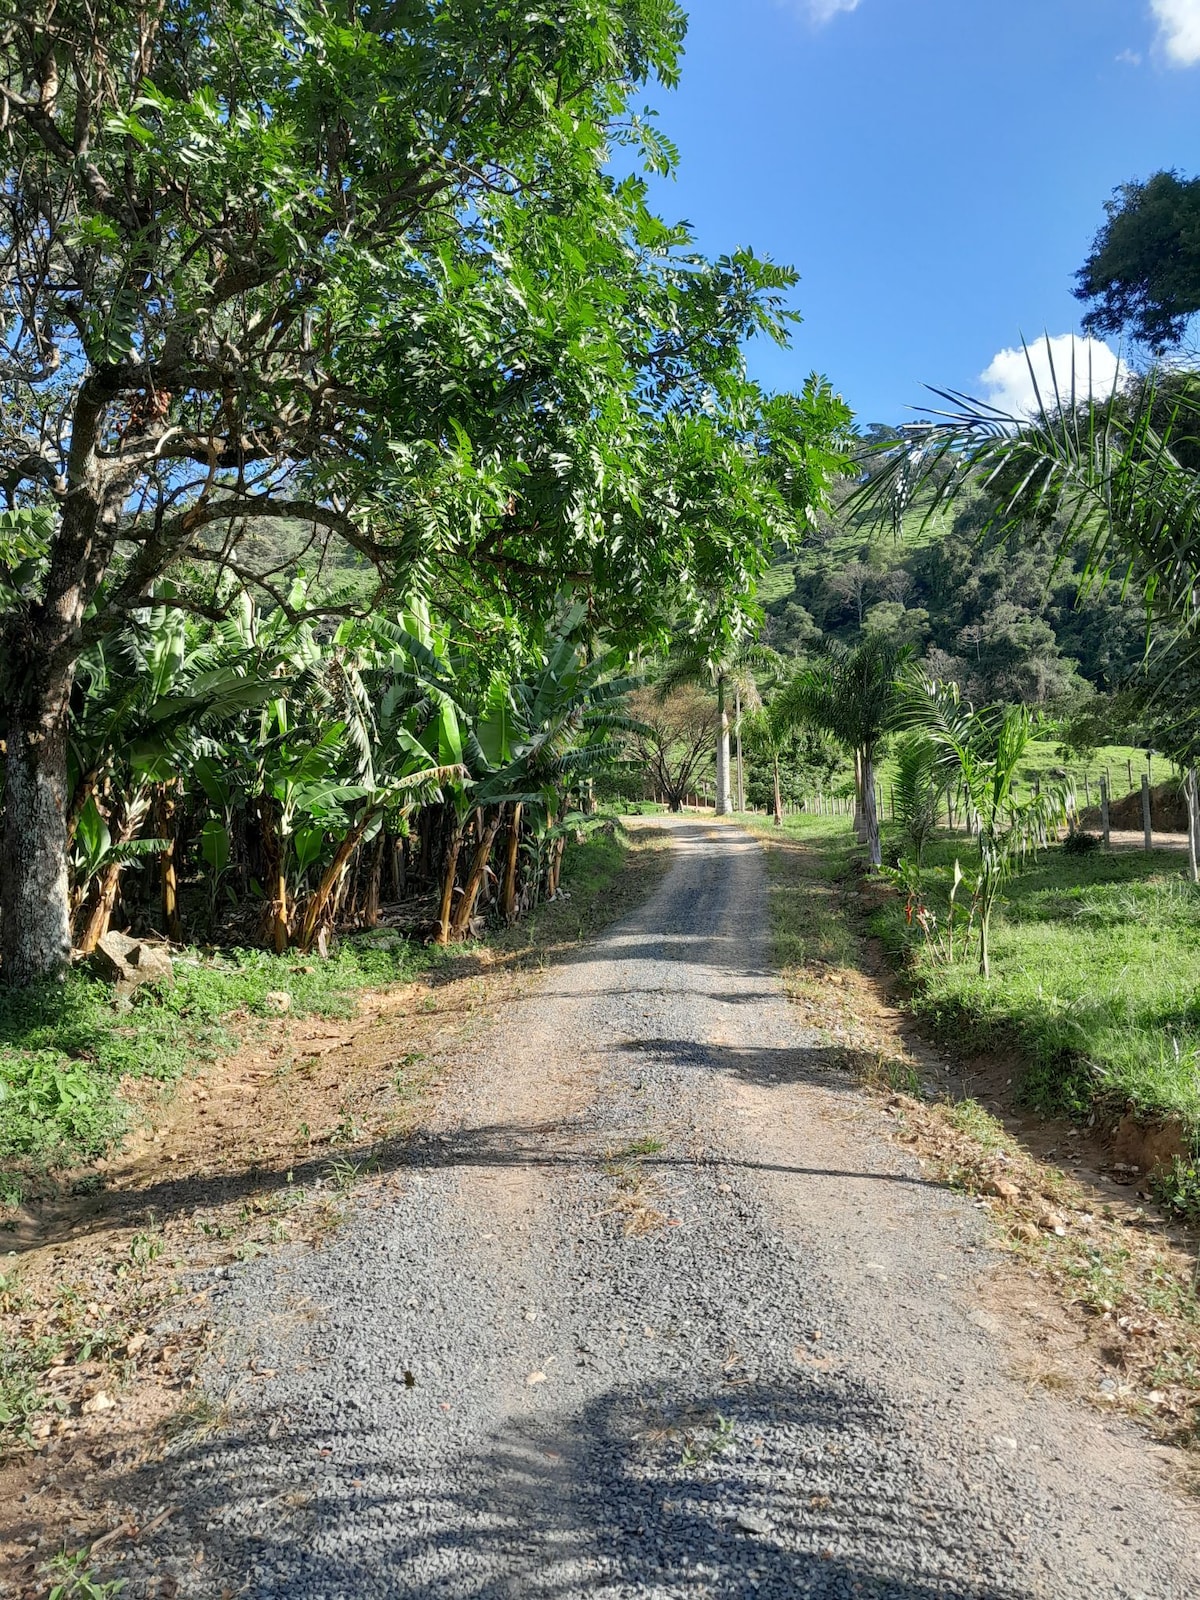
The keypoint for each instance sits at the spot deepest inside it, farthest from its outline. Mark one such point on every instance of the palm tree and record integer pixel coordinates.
(916, 791)
(728, 668)
(768, 730)
(1106, 472)
(853, 695)
(983, 750)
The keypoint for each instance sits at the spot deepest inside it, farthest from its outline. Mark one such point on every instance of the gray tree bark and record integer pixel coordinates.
(35, 928)
(724, 801)
(38, 652)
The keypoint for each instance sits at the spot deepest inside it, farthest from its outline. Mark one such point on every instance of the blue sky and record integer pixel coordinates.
(935, 169)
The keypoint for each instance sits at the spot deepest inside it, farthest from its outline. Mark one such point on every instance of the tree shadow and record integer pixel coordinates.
(774, 1488)
(495, 1146)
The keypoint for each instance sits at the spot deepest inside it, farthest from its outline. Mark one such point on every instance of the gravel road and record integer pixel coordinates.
(653, 1310)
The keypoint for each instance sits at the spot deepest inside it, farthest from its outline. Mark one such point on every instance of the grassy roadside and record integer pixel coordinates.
(83, 1300)
(65, 1048)
(1126, 1283)
(1094, 985)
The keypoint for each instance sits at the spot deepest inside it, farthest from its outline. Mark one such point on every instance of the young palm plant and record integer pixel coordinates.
(916, 792)
(983, 750)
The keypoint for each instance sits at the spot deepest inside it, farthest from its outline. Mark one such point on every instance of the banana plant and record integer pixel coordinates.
(150, 695)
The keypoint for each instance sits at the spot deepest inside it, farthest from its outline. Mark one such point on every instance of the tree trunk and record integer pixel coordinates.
(724, 802)
(374, 883)
(737, 729)
(461, 921)
(276, 875)
(861, 764)
(555, 866)
(35, 925)
(778, 800)
(870, 813)
(449, 873)
(164, 828)
(508, 894)
(100, 907)
(330, 879)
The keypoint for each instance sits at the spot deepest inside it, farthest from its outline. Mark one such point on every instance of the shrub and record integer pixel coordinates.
(1078, 843)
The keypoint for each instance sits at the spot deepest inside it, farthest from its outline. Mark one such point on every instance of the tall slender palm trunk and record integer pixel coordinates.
(870, 811)
(724, 803)
(737, 730)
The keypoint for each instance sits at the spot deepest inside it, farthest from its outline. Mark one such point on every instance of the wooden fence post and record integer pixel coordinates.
(892, 802)
(1104, 813)
(1191, 788)
(1129, 769)
(1087, 791)
(1147, 827)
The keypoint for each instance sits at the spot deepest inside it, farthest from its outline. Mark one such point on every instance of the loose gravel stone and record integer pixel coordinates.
(654, 1311)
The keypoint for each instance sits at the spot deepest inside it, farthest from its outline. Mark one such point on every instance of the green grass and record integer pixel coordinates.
(1096, 963)
(1043, 761)
(64, 1047)
(807, 923)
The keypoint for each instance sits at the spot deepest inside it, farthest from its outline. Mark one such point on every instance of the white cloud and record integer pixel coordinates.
(1131, 58)
(821, 11)
(1179, 29)
(1081, 366)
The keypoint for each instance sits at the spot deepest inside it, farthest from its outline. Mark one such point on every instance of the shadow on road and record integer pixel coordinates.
(625, 1495)
(541, 1145)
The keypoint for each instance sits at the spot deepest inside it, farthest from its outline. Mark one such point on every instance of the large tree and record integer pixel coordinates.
(356, 268)
(1143, 273)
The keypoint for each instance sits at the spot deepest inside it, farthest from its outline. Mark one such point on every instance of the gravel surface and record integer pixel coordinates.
(654, 1310)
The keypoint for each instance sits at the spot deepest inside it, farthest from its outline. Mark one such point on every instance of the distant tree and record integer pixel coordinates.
(1143, 273)
(904, 624)
(673, 743)
(728, 666)
(793, 630)
(853, 584)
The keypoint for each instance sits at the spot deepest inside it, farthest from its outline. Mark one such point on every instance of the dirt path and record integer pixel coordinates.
(654, 1310)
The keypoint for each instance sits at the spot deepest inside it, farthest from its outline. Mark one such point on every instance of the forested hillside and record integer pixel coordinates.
(1000, 617)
